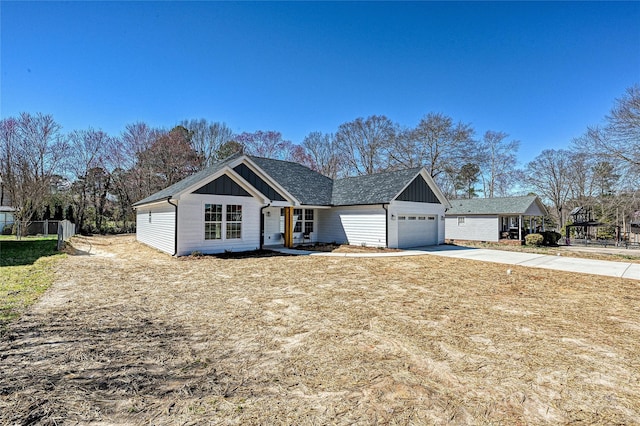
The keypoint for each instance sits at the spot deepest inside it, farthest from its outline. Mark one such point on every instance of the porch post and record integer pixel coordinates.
(288, 227)
(520, 227)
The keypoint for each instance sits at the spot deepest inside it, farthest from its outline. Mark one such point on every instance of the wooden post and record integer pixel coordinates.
(288, 227)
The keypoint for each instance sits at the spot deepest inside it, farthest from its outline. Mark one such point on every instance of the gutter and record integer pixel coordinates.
(262, 224)
(175, 233)
(386, 224)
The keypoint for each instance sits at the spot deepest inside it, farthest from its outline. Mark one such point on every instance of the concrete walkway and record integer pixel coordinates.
(560, 263)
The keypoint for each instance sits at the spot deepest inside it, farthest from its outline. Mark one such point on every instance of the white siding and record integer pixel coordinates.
(272, 234)
(397, 208)
(475, 228)
(191, 224)
(159, 231)
(356, 225)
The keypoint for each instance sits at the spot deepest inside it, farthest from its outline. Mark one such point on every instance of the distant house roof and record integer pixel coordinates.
(371, 189)
(493, 206)
(307, 186)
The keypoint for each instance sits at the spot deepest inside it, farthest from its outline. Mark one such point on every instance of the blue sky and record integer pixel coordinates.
(540, 71)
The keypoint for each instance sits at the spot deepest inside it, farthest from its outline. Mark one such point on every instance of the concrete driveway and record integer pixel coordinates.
(560, 263)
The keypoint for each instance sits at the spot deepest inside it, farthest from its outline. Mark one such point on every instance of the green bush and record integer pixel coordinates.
(551, 238)
(534, 240)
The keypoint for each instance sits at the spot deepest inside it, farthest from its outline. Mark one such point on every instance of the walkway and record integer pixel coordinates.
(560, 263)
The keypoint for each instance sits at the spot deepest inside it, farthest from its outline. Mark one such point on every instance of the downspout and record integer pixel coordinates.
(175, 233)
(262, 224)
(386, 225)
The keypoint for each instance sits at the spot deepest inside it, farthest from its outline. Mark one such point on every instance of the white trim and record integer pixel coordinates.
(431, 183)
(271, 181)
(233, 175)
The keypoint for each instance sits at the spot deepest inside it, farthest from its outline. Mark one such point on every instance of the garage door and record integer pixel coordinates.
(417, 230)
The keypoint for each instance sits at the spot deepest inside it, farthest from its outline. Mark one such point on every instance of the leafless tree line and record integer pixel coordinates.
(101, 175)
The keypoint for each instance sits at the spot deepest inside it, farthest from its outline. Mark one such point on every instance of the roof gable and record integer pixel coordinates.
(371, 189)
(223, 185)
(187, 182)
(307, 186)
(418, 191)
(257, 182)
(529, 205)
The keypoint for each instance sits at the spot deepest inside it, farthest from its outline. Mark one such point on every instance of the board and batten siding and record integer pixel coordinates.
(191, 224)
(475, 228)
(356, 225)
(155, 226)
(397, 208)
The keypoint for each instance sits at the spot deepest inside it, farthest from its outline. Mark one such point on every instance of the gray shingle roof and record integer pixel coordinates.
(506, 205)
(307, 186)
(371, 189)
(186, 182)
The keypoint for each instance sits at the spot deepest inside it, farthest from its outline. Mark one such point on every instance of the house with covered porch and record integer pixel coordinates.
(245, 203)
(494, 219)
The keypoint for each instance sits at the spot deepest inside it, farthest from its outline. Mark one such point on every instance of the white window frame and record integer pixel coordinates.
(213, 221)
(461, 220)
(233, 216)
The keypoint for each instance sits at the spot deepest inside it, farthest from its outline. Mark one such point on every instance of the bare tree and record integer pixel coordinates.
(364, 144)
(207, 138)
(323, 150)
(438, 144)
(619, 140)
(549, 175)
(268, 144)
(31, 148)
(132, 177)
(497, 163)
(90, 151)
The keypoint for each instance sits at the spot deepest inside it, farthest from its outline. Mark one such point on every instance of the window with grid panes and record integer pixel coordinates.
(234, 221)
(213, 221)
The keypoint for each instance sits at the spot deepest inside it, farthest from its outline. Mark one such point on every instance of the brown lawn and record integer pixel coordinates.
(128, 335)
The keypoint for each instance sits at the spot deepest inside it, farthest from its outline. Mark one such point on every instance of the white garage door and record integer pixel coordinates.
(417, 230)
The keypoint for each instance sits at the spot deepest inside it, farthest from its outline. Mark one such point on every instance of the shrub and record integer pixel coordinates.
(551, 238)
(534, 240)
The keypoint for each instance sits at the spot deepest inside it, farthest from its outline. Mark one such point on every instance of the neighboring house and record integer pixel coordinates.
(493, 219)
(245, 203)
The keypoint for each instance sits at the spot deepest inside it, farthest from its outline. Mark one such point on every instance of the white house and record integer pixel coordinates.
(494, 219)
(245, 203)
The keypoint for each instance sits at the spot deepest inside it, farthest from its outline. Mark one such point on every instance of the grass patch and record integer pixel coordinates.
(27, 271)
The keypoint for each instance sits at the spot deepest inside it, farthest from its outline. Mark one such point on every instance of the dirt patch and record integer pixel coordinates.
(128, 335)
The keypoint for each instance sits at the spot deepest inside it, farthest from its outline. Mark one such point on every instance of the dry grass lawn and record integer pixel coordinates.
(128, 335)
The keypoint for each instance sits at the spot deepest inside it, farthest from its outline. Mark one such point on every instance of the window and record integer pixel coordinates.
(402, 218)
(234, 221)
(513, 222)
(421, 218)
(308, 227)
(149, 216)
(213, 221)
(412, 218)
(297, 219)
(460, 220)
(432, 218)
